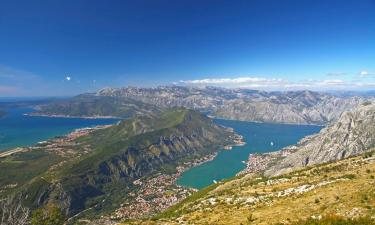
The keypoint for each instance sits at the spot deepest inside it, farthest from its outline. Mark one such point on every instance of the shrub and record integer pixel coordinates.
(50, 215)
(337, 220)
(368, 154)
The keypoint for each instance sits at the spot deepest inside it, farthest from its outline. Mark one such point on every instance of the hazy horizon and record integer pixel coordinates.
(43, 97)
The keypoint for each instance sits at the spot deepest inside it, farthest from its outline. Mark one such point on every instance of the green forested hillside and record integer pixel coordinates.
(97, 169)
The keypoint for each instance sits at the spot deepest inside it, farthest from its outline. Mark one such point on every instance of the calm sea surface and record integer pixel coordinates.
(258, 137)
(18, 130)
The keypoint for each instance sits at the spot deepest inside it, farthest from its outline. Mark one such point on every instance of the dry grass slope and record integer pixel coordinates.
(344, 190)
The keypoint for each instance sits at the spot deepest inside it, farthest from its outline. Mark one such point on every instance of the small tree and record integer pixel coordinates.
(49, 215)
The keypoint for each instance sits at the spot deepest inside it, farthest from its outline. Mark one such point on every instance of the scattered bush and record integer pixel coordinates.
(368, 155)
(50, 215)
(337, 220)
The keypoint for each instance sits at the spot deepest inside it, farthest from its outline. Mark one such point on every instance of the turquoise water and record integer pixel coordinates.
(17, 130)
(258, 137)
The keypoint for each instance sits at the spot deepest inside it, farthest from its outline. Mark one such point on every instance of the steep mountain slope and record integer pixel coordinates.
(291, 107)
(344, 188)
(98, 169)
(330, 173)
(352, 134)
(88, 105)
(298, 107)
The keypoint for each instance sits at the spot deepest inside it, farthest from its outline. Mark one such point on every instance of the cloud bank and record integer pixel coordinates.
(280, 84)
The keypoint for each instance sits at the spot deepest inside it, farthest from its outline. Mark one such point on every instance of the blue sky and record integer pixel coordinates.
(263, 44)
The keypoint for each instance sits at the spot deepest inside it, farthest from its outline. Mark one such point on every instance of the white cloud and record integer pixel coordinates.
(239, 80)
(365, 73)
(277, 83)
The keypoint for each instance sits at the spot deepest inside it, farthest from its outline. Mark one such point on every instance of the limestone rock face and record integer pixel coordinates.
(352, 134)
(296, 107)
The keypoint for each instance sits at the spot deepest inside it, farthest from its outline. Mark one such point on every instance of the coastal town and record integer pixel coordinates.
(155, 194)
(258, 162)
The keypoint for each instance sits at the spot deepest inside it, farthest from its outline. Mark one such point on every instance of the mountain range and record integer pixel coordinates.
(294, 107)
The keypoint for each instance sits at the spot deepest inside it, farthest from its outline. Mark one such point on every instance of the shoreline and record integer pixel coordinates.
(263, 122)
(158, 186)
(260, 162)
(69, 136)
(164, 189)
(12, 151)
(189, 165)
(73, 117)
(210, 116)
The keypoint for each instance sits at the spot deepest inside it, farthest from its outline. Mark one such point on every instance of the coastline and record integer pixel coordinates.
(12, 151)
(72, 117)
(267, 122)
(260, 162)
(67, 137)
(164, 190)
(159, 186)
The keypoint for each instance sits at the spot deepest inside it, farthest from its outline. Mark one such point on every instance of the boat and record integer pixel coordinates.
(271, 143)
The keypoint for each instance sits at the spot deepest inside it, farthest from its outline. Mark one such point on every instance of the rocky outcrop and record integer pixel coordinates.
(352, 134)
